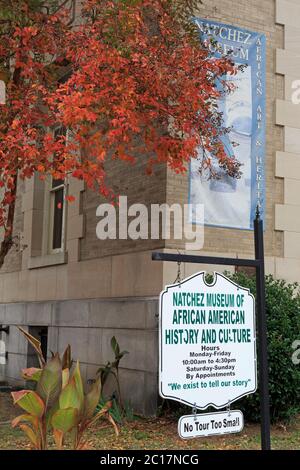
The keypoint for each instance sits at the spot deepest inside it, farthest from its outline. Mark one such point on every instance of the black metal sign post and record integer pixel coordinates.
(262, 335)
(259, 264)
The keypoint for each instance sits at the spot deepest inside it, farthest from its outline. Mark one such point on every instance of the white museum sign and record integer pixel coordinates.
(207, 342)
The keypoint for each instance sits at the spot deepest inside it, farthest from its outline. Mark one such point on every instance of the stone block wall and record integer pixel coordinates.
(88, 326)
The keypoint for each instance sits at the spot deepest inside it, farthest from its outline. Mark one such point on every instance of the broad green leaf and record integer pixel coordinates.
(69, 397)
(65, 377)
(30, 402)
(92, 399)
(34, 438)
(35, 343)
(50, 412)
(49, 385)
(33, 420)
(58, 437)
(32, 373)
(64, 420)
(79, 386)
(67, 359)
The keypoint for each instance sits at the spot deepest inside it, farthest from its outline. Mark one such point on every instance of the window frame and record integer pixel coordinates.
(53, 191)
(51, 209)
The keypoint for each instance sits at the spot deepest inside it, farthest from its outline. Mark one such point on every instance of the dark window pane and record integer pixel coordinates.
(41, 334)
(58, 219)
(56, 183)
(60, 131)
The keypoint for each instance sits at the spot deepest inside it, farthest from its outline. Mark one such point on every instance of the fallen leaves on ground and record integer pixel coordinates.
(156, 434)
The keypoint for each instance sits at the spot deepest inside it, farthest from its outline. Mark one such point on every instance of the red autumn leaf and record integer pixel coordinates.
(141, 86)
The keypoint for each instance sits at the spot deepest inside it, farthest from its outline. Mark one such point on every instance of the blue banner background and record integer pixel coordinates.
(230, 202)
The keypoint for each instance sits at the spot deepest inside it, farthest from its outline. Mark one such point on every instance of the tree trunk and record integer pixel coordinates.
(8, 242)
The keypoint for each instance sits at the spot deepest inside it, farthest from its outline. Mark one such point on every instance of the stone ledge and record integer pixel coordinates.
(47, 260)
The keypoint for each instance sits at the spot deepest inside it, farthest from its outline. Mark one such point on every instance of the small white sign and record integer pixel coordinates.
(207, 342)
(210, 424)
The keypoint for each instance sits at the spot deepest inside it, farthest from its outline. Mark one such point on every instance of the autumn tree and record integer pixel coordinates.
(126, 78)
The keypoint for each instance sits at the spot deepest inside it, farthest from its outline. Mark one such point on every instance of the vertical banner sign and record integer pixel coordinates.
(230, 202)
(207, 342)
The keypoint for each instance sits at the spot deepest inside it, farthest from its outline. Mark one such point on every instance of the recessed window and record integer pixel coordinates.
(57, 214)
(40, 333)
(57, 208)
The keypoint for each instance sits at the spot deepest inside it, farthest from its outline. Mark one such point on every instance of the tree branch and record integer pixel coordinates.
(7, 242)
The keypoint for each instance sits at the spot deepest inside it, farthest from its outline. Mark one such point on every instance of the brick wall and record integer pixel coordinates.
(132, 181)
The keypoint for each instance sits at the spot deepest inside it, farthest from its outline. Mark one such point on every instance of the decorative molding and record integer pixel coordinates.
(287, 63)
(47, 260)
(287, 114)
(75, 220)
(287, 164)
(288, 12)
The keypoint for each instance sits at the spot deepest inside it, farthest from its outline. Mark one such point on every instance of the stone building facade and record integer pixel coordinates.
(91, 290)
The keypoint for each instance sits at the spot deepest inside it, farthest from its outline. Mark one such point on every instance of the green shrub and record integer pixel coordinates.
(283, 322)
